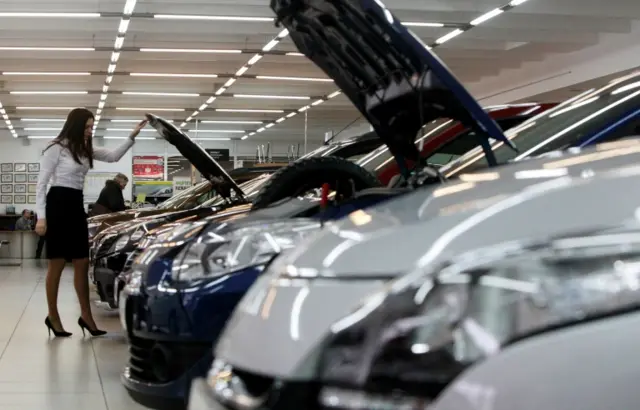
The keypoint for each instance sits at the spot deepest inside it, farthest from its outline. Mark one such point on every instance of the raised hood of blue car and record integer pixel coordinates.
(387, 72)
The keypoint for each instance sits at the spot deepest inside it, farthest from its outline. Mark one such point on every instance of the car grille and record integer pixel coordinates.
(162, 362)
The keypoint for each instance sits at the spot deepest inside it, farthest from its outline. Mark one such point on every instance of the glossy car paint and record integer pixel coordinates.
(424, 228)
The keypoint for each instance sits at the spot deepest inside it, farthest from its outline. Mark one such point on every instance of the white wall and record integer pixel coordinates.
(23, 150)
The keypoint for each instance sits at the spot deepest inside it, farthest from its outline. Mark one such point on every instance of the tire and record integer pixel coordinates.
(312, 173)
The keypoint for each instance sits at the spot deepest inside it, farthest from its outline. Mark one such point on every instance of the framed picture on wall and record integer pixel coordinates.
(19, 167)
(19, 199)
(33, 178)
(6, 167)
(20, 178)
(33, 167)
(6, 199)
(6, 189)
(31, 188)
(20, 189)
(6, 178)
(32, 199)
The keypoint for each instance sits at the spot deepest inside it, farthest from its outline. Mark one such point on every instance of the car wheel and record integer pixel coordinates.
(312, 173)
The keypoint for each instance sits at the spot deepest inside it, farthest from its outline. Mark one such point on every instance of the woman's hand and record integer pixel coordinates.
(137, 129)
(41, 227)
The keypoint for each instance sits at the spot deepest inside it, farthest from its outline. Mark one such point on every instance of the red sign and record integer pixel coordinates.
(148, 167)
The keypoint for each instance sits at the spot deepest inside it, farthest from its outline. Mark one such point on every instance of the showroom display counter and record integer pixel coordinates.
(18, 244)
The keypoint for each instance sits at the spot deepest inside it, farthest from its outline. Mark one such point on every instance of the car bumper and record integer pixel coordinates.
(201, 398)
(169, 395)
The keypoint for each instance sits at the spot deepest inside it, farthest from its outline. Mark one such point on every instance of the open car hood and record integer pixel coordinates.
(203, 162)
(387, 72)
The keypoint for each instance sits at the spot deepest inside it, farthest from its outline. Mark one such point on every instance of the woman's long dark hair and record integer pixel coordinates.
(72, 135)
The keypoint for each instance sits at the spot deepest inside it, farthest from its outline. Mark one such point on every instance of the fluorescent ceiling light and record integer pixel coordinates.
(449, 36)
(221, 90)
(48, 92)
(158, 94)
(43, 73)
(229, 122)
(211, 139)
(42, 129)
(317, 102)
(334, 94)
(274, 97)
(295, 54)
(421, 24)
(46, 108)
(42, 120)
(278, 78)
(516, 2)
(292, 114)
(189, 50)
(47, 48)
(230, 82)
(124, 26)
(241, 71)
(269, 125)
(270, 45)
(40, 138)
(254, 59)
(202, 107)
(149, 109)
(172, 75)
(209, 18)
(219, 131)
(248, 111)
(118, 43)
(122, 138)
(210, 100)
(486, 16)
(50, 15)
(128, 130)
(245, 137)
(129, 6)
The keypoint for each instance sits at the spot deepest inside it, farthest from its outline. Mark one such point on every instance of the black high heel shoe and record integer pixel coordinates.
(94, 332)
(56, 333)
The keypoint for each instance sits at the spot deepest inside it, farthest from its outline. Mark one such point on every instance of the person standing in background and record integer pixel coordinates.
(25, 222)
(65, 163)
(111, 198)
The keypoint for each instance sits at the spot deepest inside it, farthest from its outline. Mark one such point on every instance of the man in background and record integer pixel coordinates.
(25, 222)
(111, 198)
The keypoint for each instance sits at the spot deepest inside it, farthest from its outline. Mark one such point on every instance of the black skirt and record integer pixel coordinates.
(67, 234)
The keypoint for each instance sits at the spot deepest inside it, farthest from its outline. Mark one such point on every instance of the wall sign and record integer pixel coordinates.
(148, 168)
(219, 154)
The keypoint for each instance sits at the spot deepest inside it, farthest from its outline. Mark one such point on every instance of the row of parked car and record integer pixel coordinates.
(457, 257)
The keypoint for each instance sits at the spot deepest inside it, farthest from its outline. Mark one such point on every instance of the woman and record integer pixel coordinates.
(65, 163)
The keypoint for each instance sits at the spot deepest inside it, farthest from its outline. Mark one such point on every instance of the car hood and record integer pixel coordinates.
(385, 70)
(203, 162)
(287, 310)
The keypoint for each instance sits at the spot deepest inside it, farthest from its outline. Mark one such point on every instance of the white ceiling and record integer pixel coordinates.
(531, 31)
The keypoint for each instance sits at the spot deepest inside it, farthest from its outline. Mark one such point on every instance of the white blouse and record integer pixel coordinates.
(58, 168)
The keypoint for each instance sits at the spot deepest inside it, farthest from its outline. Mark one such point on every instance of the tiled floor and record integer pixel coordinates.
(38, 373)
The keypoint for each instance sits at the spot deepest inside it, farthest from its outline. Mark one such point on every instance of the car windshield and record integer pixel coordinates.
(351, 149)
(250, 188)
(177, 201)
(516, 290)
(576, 121)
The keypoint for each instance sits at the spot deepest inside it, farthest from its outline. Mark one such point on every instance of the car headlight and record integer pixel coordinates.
(93, 229)
(121, 243)
(213, 255)
(137, 235)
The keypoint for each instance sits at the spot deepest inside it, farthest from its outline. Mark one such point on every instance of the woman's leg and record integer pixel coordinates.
(81, 283)
(52, 282)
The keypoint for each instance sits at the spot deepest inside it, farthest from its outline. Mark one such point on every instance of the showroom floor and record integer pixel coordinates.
(41, 373)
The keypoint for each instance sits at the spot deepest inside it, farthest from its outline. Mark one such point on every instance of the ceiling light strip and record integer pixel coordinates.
(241, 71)
(123, 27)
(454, 33)
(7, 121)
